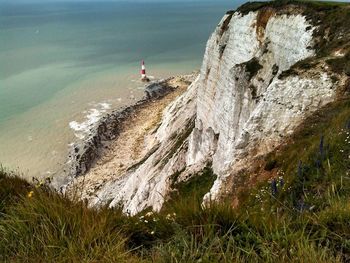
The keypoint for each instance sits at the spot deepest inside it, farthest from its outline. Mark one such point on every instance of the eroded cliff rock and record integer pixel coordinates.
(252, 92)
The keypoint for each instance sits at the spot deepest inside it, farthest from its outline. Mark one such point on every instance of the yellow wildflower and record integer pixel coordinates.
(30, 194)
(39, 184)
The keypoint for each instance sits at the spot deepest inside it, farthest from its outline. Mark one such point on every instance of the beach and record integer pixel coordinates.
(122, 139)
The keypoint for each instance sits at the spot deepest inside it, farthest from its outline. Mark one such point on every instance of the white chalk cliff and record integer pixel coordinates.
(239, 108)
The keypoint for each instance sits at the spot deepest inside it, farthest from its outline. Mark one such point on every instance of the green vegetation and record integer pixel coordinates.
(304, 217)
(252, 67)
(302, 214)
(331, 34)
(341, 64)
(318, 6)
(305, 64)
(39, 225)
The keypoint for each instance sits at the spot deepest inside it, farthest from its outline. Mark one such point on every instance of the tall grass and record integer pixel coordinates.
(303, 218)
(39, 225)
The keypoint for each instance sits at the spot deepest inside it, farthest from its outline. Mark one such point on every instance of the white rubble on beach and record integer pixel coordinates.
(229, 115)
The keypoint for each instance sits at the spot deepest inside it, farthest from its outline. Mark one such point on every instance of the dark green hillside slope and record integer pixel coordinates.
(301, 218)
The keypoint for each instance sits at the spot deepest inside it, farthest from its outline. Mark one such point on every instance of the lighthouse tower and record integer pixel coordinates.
(143, 72)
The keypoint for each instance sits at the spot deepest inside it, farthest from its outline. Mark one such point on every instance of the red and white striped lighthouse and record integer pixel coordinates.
(143, 72)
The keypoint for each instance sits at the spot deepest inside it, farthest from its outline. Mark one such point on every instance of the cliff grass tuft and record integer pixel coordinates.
(318, 6)
(341, 64)
(252, 67)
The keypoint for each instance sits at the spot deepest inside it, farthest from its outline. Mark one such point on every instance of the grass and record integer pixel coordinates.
(331, 34)
(318, 6)
(300, 215)
(47, 227)
(306, 218)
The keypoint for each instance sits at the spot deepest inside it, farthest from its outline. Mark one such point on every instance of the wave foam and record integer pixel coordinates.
(93, 115)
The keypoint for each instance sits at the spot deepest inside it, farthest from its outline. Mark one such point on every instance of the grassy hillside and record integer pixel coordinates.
(298, 212)
(302, 215)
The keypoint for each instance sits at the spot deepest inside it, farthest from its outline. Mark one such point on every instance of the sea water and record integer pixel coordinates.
(64, 65)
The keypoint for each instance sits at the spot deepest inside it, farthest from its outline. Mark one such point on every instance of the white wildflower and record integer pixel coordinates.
(149, 214)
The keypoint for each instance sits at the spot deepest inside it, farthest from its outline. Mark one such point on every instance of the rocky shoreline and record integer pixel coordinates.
(84, 153)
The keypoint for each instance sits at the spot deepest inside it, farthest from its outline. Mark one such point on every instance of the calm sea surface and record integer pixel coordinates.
(63, 65)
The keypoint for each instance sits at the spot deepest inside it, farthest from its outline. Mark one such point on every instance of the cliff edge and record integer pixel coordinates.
(267, 67)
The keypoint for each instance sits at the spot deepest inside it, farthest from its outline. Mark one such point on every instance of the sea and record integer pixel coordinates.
(65, 64)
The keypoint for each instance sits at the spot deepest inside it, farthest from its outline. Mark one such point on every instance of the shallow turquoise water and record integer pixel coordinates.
(58, 61)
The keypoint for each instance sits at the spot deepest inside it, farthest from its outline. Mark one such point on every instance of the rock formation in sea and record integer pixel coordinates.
(266, 68)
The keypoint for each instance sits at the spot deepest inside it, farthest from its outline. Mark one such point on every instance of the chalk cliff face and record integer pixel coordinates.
(242, 106)
(242, 114)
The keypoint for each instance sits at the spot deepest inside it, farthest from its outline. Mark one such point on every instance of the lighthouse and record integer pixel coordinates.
(143, 72)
